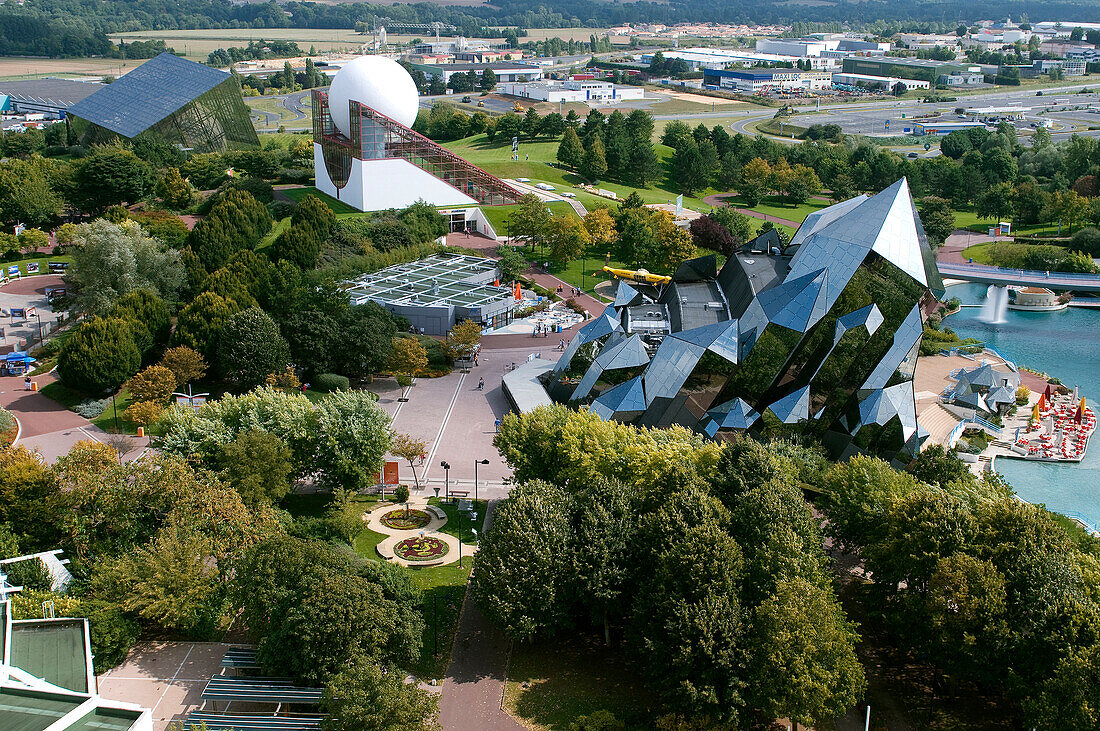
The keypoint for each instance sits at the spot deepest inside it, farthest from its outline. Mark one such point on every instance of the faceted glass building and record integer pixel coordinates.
(819, 337)
(181, 102)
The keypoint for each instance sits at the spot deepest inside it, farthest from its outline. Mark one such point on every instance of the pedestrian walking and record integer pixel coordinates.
(27, 382)
(481, 384)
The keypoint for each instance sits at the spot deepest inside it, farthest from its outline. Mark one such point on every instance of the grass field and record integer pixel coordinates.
(551, 684)
(498, 215)
(535, 163)
(339, 207)
(33, 67)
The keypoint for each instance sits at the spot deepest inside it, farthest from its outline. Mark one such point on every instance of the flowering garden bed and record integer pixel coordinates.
(402, 520)
(420, 548)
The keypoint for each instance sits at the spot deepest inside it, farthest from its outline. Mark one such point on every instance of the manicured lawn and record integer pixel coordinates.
(42, 261)
(69, 398)
(443, 589)
(338, 207)
(573, 677)
(498, 215)
(776, 206)
(535, 163)
(979, 253)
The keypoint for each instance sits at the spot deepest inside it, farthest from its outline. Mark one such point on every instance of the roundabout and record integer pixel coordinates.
(415, 538)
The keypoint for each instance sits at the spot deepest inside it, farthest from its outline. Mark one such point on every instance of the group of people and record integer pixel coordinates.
(541, 330)
(573, 291)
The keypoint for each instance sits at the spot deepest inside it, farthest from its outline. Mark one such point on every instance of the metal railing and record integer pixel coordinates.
(1030, 273)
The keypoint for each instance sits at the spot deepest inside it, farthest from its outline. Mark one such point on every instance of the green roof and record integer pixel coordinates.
(53, 650)
(27, 710)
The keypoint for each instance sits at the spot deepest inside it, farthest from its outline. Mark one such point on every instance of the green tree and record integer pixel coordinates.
(185, 363)
(532, 123)
(257, 465)
(803, 655)
(353, 437)
(510, 263)
(200, 323)
(365, 697)
(408, 357)
(236, 221)
(937, 219)
(410, 449)
(689, 620)
(111, 176)
(644, 166)
(99, 356)
(110, 261)
(529, 222)
(176, 192)
(567, 238)
(27, 489)
(27, 194)
(570, 150)
(299, 245)
(488, 80)
(594, 163)
(526, 598)
(997, 203)
(316, 607)
(250, 348)
(169, 582)
(605, 563)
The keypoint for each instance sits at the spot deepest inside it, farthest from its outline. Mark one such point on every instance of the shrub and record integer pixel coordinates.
(286, 379)
(99, 356)
(329, 382)
(281, 209)
(155, 384)
(1023, 393)
(91, 408)
(1086, 240)
(404, 381)
(144, 413)
(30, 574)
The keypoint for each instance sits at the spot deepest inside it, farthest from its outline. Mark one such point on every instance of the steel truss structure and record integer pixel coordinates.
(375, 136)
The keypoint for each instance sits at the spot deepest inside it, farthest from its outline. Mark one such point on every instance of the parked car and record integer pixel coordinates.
(466, 100)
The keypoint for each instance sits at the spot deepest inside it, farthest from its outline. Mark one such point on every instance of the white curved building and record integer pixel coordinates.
(367, 155)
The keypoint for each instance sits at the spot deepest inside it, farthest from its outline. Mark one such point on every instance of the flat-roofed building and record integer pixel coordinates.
(750, 81)
(506, 71)
(577, 90)
(52, 97)
(437, 292)
(887, 83)
(943, 128)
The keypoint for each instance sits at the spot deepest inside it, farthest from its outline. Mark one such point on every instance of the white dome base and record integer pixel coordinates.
(375, 185)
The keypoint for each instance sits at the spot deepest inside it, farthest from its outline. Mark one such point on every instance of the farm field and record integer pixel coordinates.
(33, 67)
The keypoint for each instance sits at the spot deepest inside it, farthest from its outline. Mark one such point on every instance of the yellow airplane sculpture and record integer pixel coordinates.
(641, 275)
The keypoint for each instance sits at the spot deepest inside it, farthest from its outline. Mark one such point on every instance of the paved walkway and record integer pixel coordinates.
(473, 688)
(431, 530)
(960, 239)
(22, 293)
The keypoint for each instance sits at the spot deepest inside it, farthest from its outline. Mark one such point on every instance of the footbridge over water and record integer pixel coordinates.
(1058, 281)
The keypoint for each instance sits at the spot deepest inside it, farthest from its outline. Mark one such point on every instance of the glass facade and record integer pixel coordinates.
(828, 350)
(377, 137)
(202, 113)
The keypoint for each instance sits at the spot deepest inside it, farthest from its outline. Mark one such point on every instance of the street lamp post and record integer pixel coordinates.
(446, 480)
(476, 463)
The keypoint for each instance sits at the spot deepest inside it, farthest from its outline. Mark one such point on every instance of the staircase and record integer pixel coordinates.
(938, 422)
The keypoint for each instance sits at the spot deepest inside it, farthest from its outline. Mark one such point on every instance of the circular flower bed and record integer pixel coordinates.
(420, 549)
(400, 520)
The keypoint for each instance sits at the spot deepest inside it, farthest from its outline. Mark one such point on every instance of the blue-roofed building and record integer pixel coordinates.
(169, 98)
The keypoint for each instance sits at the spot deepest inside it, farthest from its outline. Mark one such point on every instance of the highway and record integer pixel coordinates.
(1058, 281)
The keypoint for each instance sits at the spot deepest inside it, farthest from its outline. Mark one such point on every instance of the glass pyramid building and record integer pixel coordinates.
(819, 337)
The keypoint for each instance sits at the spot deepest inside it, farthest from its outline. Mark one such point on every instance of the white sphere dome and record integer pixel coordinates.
(377, 82)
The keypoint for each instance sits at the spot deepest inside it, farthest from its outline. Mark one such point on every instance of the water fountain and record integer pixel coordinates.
(995, 305)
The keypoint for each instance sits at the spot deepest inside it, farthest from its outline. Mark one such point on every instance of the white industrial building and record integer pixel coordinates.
(584, 91)
(886, 82)
(723, 58)
(814, 47)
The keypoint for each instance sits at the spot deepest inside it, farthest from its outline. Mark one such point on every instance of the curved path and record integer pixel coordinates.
(719, 199)
(431, 530)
